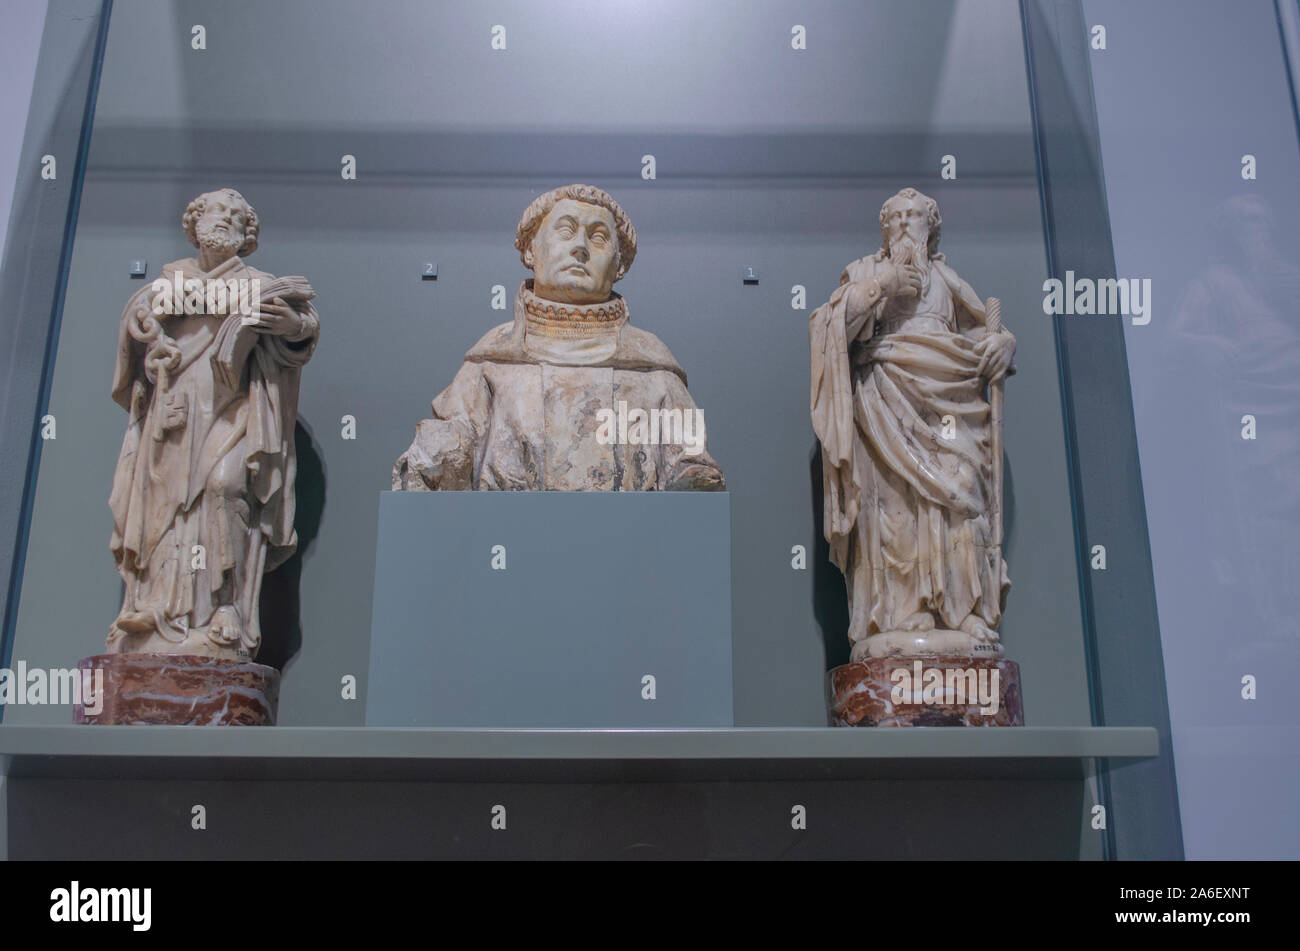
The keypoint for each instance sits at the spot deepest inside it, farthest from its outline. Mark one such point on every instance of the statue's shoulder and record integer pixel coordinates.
(258, 273)
(861, 269)
(640, 349)
(499, 343)
(146, 292)
(141, 295)
(184, 265)
(961, 290)
(187, 267)
(940, 264)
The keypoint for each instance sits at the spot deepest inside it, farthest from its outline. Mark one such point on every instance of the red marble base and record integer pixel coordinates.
(181, 689)
(869, 693)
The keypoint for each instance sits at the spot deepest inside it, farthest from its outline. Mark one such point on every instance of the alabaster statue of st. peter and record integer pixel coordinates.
(569, 395)
(208, 364)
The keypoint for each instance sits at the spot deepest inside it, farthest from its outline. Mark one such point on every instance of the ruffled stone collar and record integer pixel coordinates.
(548, 318)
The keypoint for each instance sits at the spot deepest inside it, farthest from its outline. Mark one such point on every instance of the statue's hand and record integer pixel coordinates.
(277, 317)
(996, 352)
(898, 281)
(440, 457)
(697, 478)
(410, 468)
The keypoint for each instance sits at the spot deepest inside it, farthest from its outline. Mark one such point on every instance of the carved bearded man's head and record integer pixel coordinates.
(221, 221)
(909, 228)
(578, 243)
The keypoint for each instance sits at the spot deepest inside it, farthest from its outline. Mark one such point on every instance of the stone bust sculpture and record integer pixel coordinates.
(907, 365)
(569, 395)
(208, 364)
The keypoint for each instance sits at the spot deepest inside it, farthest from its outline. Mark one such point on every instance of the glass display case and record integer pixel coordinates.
(389, 150)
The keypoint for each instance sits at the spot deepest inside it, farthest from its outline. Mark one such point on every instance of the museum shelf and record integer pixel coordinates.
(497, 755)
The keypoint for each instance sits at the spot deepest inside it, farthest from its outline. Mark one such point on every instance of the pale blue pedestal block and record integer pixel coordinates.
(599, 590)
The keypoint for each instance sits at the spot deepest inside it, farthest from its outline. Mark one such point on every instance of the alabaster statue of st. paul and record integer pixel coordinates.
(907, 365)
(569, 395)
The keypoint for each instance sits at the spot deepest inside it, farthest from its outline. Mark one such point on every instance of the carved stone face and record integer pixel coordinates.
(574, 255)
(906, 217)
(221, 226)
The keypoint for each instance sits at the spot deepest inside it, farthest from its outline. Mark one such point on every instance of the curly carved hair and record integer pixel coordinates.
(542, 205)
(194, 211)
(931, 216)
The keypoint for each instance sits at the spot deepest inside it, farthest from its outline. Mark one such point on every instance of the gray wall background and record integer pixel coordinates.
(1183, 91)
(766, 156)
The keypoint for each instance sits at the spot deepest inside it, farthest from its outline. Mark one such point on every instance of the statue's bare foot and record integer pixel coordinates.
(976, 628)
(132, 622)
(920, 621)
(984, 641)
(226, 628)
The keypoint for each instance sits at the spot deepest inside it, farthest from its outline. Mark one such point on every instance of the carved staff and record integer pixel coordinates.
(993, 324)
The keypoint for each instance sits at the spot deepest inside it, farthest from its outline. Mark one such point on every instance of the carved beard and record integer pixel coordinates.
(905, 250)
(209, 238)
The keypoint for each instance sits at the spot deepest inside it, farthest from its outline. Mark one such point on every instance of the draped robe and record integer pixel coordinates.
(908, 494)
(203, 463)
(523, 412)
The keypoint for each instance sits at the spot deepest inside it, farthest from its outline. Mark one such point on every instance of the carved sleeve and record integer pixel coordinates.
(862, 296)
(445, 452)
(687, 465)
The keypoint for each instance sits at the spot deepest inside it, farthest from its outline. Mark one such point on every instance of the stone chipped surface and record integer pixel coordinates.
(182, 689)
(863, 694)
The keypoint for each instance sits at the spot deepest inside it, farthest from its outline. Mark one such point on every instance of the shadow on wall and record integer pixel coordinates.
(281, 605)
(830, 597)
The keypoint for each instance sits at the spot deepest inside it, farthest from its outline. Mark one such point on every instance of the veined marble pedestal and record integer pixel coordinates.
(926, 691)
(181, 689)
